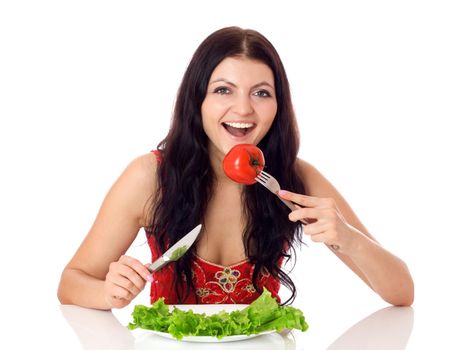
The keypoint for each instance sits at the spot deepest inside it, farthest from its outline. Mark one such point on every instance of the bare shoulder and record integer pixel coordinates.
(143, 168)
(137, 185)
(315, 183)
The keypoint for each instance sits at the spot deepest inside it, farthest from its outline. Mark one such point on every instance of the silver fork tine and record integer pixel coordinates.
(268, 184)
(264, 174)
(261, 180)
(269, 181)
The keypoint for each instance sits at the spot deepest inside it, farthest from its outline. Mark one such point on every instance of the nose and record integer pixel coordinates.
(243, 105)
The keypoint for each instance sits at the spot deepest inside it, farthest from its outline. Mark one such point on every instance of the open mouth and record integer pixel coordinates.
(238, 129)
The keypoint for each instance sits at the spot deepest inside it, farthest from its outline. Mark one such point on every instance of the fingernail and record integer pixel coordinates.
(283, 193)
(150, 278)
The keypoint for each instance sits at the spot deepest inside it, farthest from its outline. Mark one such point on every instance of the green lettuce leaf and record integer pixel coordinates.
(264, 314)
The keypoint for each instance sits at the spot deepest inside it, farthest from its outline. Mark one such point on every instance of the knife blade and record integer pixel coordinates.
(176, 251)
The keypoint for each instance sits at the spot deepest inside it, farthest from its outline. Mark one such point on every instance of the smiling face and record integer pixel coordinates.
(240, 104)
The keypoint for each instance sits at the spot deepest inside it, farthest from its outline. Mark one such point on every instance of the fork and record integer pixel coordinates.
(270, 182)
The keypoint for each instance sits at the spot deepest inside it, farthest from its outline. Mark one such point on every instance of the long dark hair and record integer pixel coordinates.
(186, 179)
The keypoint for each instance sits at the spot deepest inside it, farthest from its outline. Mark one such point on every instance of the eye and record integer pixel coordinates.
(262, 93)
(222, 90)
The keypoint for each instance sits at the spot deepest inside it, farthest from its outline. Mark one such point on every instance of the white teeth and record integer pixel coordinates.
(239, 125)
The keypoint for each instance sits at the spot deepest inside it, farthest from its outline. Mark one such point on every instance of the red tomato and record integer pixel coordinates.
(243, 163)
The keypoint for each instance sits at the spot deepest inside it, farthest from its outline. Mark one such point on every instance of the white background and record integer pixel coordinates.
(384, 94)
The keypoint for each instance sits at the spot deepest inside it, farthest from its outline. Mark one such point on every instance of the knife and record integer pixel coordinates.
(176, 251)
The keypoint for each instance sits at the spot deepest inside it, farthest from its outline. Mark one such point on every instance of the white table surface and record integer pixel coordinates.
(391, 328)
(342, 313)
(387, 328)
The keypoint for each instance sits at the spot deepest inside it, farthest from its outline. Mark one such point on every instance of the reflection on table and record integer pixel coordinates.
(96, 329)
(388, 329)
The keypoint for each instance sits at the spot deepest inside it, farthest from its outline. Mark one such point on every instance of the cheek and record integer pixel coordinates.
(269, 110)
(204, 109)
(269, 118)
(212, 111)
(207, 114)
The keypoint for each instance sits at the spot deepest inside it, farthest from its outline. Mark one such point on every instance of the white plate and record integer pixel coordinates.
(209, 309)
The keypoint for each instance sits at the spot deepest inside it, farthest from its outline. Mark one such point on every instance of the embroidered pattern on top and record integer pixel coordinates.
(227, 285)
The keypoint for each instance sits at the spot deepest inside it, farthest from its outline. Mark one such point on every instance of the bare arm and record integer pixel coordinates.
(337, 224)
(98, 275)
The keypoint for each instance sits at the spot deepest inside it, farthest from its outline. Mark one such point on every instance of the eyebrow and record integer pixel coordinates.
(234, 85)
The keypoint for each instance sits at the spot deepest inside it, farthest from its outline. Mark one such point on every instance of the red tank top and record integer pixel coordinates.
(214, 284)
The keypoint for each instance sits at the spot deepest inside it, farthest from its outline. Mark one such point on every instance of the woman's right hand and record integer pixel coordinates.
(125, 279)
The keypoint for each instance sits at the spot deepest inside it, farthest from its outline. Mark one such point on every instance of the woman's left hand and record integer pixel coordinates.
(326, 224)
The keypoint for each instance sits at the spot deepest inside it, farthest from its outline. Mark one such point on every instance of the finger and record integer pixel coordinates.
(118, 302)
(120, 292)
(137, 266)
(307, 201)
(322, 238)
(303, 213)
(302, 200)
(131, 275)
(315, 214)
(316, 228)
(127, 284)
(114, 302)
(150, 277)
(318, 238)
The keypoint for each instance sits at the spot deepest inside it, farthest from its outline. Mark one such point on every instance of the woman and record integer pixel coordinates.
(235, 90)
